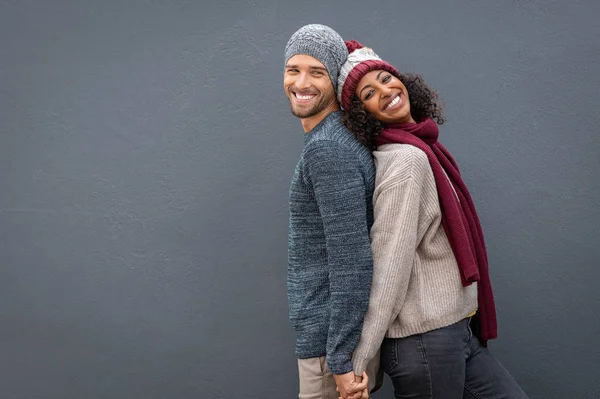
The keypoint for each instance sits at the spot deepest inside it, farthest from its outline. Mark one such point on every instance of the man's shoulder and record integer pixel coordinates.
(332, 128)
(333, 133)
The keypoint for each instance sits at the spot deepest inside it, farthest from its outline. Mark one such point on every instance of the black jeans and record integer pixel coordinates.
(447, 363)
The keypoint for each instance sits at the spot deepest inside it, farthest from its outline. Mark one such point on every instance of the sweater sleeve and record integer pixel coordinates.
(394, 241)
(339, 188)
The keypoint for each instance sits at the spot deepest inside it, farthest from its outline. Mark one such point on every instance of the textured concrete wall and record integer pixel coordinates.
(146, 149)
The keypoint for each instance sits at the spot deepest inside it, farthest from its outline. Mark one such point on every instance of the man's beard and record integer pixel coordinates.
(321, 104)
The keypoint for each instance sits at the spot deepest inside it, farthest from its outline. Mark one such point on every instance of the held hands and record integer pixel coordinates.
(351, 386)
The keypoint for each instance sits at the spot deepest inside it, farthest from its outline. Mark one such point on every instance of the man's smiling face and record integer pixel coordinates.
(307, 85)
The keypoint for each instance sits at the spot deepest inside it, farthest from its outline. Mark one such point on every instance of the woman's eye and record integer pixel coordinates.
(369, 95)
(386, 79)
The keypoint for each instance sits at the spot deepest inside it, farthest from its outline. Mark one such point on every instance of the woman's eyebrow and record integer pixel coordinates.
(361, 90)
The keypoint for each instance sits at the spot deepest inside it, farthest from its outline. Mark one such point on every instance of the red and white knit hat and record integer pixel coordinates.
(361, 60)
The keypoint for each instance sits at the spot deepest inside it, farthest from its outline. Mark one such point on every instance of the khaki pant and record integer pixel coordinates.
(317, 382)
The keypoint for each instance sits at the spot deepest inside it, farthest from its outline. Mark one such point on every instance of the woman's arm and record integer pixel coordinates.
(394, 243)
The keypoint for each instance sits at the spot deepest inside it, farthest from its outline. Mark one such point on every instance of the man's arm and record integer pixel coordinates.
(340, 192)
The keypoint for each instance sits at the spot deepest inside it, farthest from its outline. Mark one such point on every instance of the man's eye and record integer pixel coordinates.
(318, 73)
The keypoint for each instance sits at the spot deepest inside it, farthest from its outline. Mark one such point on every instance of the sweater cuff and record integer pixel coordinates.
(360, 365)
(338, 367)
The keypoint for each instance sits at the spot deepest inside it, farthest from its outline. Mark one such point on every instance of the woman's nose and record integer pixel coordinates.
(385, 91)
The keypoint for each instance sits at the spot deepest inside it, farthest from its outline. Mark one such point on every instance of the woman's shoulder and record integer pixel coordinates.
(396, 163)
(400, 156)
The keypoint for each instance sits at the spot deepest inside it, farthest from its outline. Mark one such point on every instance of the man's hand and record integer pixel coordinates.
(351, 386)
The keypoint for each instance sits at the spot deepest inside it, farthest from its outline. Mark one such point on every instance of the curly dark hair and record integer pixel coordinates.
(423, 104)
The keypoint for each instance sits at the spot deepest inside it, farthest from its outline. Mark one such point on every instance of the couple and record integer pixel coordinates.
(387, 262)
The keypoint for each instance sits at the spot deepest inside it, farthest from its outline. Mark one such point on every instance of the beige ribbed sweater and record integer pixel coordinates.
(416, 282)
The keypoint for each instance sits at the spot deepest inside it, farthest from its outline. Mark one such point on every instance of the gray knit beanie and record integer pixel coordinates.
(322, 43)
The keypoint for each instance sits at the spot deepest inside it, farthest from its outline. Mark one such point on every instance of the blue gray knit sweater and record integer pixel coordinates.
(329, 262)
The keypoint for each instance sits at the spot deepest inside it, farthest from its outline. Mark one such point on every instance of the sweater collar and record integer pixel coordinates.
(330, 117)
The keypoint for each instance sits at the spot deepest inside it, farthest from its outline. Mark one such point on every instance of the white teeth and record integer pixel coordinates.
(394, 102)
(307, 97)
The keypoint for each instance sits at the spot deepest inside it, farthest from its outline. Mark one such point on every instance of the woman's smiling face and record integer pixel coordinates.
(384, 96)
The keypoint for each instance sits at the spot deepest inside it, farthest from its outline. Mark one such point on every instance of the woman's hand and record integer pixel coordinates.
(351, 386)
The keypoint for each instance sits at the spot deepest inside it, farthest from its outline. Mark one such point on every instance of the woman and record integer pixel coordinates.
(431, 308)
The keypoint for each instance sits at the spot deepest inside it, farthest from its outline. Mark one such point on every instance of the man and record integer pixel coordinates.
(330, 263)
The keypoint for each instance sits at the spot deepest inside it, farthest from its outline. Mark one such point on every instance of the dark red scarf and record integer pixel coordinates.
(459, 216)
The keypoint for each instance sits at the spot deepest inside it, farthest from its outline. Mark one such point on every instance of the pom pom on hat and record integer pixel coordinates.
(352, 45)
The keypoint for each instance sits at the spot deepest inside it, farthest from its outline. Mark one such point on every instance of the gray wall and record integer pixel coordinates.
(146, 149)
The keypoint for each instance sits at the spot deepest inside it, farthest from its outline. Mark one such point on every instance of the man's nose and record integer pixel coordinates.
(303, 81)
